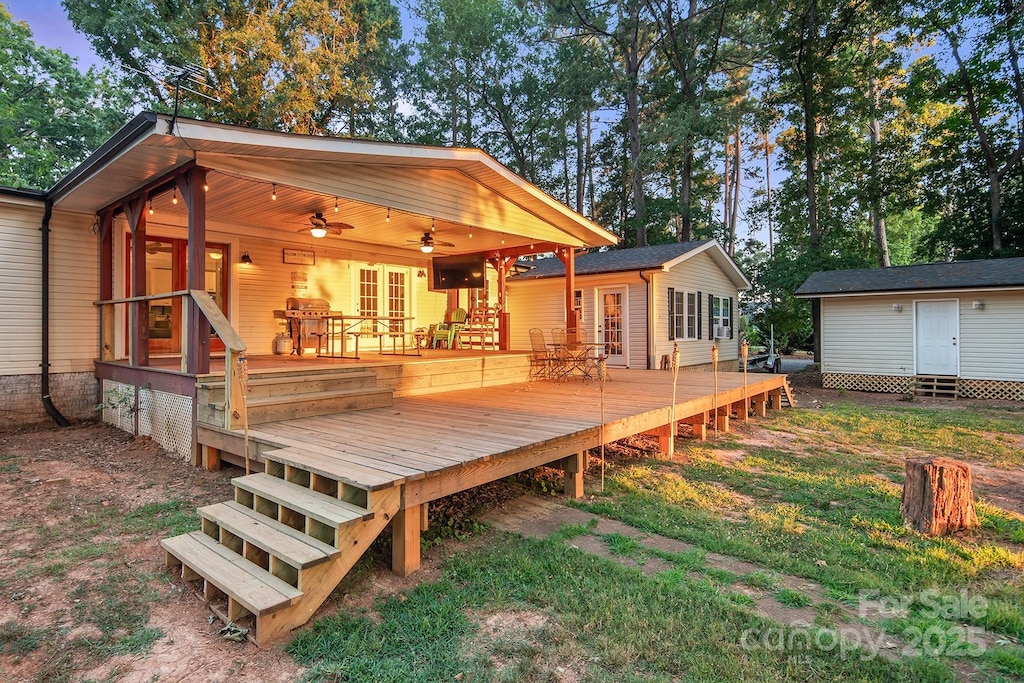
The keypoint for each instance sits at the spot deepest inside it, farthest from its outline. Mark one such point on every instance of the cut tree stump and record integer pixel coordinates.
(937, 496)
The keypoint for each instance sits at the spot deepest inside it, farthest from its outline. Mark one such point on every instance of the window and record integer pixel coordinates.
(577, 305)
(721, 314)
(368, 279)
(683, 314)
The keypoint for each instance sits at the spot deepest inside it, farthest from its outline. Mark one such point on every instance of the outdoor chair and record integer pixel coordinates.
(542, 358)
(448, 333)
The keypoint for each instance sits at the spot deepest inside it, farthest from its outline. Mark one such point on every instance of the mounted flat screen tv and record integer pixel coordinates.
(458, 272)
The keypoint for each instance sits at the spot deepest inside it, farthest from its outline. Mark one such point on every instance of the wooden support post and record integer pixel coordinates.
(574, 466)
(424, 516)
(742, 410)
(723, 419)
(211, 458)
(775, 396)
(107, 311)
(567, 255)
(405, 540)
(699, 424)
(191, 184)
(664, 433)
(760, 404)
(139, 352)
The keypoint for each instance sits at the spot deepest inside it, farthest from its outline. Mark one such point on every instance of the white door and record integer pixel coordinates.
(936, 328)
(612, 328)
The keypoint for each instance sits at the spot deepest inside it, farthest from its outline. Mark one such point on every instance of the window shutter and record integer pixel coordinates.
(711, 317)
(730, 318)
(699, 322)
(671, 313)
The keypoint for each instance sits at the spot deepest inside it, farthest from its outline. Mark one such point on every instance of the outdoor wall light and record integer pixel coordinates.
(897, 307)
(246, 260)
(978, 305)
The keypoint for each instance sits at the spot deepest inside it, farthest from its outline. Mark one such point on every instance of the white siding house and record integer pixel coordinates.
(679, 293)
(887, 329)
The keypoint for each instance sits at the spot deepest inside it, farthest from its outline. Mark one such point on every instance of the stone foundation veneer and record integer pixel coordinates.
(75, 394)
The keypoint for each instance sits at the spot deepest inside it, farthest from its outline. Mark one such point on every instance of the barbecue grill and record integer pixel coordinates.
(306, 318)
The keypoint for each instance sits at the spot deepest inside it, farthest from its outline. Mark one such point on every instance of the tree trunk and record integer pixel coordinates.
(636, 173)
(686, 225)
(768, 195)
(937, 496)
(581, 185)
(994, 181)
(875, 128)
(726, 191)
(736, 166)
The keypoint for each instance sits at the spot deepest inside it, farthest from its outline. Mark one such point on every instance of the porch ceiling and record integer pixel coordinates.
(464, 191)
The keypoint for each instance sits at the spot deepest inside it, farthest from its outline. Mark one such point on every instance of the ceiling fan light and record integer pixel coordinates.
(426, 248)
(216, 255)
(318, 231)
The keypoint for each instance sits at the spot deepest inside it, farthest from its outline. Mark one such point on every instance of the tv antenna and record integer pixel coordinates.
(190, 78)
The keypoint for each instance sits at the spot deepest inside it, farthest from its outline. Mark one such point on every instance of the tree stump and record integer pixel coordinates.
(937, 496)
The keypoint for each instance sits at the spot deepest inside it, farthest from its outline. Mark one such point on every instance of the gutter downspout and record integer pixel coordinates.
(650, 315)
(44, 382)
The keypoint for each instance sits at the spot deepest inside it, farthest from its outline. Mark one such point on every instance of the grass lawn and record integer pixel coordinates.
(820, 506)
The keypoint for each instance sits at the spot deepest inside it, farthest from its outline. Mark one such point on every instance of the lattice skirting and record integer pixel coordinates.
(166, 418)
(886, 384)
(991, 388)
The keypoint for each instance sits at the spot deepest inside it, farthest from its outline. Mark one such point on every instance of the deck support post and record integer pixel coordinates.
(723, 419)
(664, 433)
(742, 410)
(405, 540)
(760, 404)
(699, 425)
(573, 466)
(775, 396)
(211, 458)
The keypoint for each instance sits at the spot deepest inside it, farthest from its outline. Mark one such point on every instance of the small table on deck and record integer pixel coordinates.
(573, 358)
(379, 326)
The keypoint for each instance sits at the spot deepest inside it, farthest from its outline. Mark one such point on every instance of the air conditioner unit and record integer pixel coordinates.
(722, 331)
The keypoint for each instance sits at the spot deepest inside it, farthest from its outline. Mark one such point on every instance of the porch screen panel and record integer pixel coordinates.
(368, 292)
(396, 299)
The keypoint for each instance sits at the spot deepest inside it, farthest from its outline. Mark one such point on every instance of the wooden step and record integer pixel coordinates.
(255, 589)
(272, 537)
(277, 408)
(936, 386)
(786, 399)
(276, 385)
(217, 379)
(315, 462)
(324, 509)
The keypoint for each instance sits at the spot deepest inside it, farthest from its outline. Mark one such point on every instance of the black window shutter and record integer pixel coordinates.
(671, 313)
(730, 318)
(711, 317)
(699, 323)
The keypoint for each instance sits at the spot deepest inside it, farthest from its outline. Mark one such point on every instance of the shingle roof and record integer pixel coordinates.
(612, 260)
(1008, 272)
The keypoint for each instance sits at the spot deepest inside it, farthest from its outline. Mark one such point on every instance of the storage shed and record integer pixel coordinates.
(942, 329)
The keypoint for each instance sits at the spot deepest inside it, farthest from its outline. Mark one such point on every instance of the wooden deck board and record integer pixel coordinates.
(454, 434)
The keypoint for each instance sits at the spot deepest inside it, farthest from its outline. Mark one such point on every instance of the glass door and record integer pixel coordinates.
(613, 325)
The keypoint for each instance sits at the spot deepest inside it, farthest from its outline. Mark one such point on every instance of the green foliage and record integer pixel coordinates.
(792, 598)
(51, 115)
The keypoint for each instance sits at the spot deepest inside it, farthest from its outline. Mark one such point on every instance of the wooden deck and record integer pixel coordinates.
(438, 444)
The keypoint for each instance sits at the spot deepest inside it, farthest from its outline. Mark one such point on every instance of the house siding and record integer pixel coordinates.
(541, 303)
(696, 274)
(865, 336)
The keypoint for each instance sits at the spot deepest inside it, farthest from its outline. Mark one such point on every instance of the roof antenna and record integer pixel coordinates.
(191, 78)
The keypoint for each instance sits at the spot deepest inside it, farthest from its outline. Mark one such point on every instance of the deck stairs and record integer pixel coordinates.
(285, 395)
(268, 559)
(936, 386)
(786, 399)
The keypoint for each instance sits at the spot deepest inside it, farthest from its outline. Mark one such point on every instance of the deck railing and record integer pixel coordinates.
(234, 347)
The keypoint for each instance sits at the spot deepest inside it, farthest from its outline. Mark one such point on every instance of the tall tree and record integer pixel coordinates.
(296, 65)
(51, 115)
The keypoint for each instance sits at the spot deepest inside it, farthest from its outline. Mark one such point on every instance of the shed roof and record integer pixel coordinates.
(980, 274)
(655, 257)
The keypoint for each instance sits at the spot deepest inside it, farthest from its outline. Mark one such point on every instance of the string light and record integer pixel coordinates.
(387, 218)
(273, 192)
(206, 187)
(174, 196)
(335, 205)
(471, 233)
(503, 238)
(150, 207)
(431, 225)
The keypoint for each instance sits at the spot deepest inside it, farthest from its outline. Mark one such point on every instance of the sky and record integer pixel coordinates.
(50, 27)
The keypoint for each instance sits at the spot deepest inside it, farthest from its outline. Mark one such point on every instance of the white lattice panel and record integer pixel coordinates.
(167, 419)
(885, 384)
(991, 388)
(119, 405)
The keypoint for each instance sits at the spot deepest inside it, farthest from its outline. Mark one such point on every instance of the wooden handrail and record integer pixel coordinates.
(218, 321)
(147, 297)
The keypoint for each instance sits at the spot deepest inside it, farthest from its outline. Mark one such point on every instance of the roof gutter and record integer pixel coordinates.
(650, 314)
(44, 381)
(110, 150)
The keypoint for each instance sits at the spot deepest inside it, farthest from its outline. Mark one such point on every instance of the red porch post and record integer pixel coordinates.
(106, 293)
(191, 183)
(136, 215)
(568, 257)
(503, 264)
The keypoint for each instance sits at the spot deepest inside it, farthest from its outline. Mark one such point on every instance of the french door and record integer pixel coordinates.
(613, 329)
